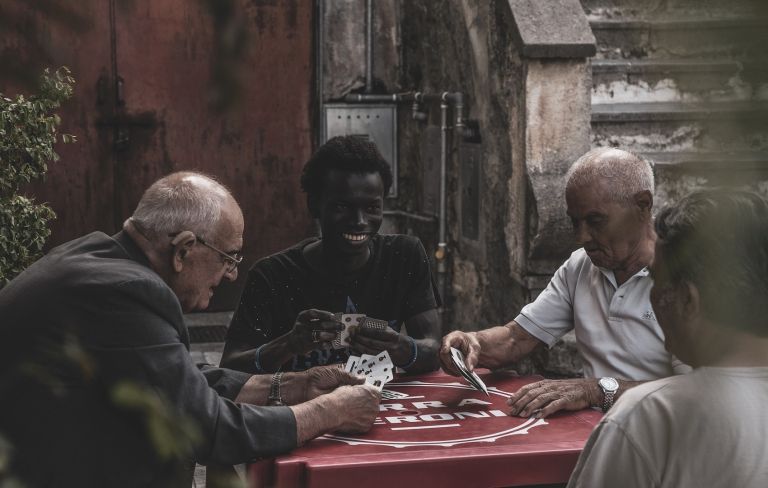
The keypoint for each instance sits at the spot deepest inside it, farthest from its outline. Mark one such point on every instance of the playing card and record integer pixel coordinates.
(371, 323)
(458, 360)
(393, 395)
(342, 337)
(351, 364)
(383, 367)
(362, 364)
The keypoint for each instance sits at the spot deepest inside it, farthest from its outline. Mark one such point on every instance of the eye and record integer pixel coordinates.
(595, 221)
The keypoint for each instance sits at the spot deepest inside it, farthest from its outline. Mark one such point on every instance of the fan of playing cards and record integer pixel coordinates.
(474, 380)
(376, 369)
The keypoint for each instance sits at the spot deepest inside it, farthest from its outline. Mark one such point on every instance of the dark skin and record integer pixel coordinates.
(350, 213)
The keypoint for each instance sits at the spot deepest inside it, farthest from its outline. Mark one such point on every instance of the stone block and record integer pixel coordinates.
(552, 29)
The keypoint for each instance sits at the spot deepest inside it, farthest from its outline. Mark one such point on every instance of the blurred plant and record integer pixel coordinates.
(28, 132)
(171, 434)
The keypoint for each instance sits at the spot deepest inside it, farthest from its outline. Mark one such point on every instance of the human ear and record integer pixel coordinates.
(644, 201)
(691, 299)
(182, 243)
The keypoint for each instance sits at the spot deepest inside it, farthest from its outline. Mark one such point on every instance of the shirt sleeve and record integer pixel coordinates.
(550, 316)
(155, 358)
(422, 294)
(612, 458)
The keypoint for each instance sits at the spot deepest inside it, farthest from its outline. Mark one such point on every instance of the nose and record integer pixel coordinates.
(360, 218)
(580, 233)
(231, 275)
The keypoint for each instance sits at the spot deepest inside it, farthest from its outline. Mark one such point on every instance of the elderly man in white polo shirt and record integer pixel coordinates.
(602, 292)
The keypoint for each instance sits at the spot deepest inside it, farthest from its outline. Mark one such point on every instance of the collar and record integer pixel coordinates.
(131, 248)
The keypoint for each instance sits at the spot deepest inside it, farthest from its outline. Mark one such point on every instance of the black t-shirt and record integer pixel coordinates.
(394, 285)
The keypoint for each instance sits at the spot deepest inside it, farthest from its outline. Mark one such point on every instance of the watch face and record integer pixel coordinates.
(609, 384)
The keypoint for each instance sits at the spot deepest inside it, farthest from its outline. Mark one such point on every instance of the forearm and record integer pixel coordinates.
(314, 418)
(272, 355)
(503, 345)
(426, 355)
(256, 390)
(624, 385)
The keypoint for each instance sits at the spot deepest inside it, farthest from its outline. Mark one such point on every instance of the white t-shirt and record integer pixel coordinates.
(616, 330)
(704, 429)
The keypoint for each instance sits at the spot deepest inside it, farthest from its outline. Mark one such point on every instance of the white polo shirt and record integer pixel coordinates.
(616, 329)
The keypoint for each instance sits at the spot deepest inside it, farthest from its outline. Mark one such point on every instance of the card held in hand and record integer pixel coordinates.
(458, 360)
(377, 369)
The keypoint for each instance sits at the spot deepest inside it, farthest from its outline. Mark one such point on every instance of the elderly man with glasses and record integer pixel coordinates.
(95, 373)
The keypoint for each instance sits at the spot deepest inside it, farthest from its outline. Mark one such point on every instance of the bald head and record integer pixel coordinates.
(626, 174)
(182, 201)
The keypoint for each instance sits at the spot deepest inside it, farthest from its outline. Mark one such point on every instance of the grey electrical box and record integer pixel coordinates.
(374, 122)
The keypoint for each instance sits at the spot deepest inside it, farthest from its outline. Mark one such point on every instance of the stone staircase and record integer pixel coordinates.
(685, 84)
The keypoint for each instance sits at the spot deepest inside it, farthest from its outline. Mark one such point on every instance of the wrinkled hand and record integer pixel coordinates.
(322, 380)
(309, 321)
(367, 340)
(544, 398)
(357, 408)
(466, 343)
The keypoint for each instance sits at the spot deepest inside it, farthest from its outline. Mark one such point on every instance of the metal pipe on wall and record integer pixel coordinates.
(441, 254)
(368, 46)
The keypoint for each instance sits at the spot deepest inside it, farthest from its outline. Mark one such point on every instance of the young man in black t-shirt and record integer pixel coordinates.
(285, 317)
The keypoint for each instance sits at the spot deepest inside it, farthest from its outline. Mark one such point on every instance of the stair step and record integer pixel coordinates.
(687, 37)
(678, 111)
(664, 66)
(736, 160)
(689, 24)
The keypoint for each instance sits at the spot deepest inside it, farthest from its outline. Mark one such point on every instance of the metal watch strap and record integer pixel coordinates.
(609, 386)
(608, 400)
(275, 399)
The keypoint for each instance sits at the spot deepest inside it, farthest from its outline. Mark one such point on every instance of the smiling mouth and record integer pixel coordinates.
(355, 237)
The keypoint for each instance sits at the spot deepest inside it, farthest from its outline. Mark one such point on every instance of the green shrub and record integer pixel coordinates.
(28, 132)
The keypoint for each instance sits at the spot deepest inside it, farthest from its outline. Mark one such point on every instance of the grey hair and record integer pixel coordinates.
(181, 201)
(629, 173)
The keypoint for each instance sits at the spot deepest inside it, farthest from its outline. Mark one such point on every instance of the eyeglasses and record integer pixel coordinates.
(232, 261)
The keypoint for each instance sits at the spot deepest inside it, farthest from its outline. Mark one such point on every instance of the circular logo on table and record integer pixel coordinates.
(419, 413)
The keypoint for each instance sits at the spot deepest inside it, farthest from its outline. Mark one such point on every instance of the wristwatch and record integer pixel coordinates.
(609, 386)
(275, 398)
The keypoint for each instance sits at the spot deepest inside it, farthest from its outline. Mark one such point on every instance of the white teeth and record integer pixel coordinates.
(354, 237)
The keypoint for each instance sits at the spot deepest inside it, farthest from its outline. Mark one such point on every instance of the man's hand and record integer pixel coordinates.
(367, 340)
(544, 398)
(357, 407)
(322, 380)
(467, 343)
(312, 330)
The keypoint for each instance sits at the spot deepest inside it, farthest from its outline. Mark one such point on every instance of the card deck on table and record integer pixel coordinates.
(458, 360)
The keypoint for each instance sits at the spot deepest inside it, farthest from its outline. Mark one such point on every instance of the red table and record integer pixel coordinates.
(442, 434)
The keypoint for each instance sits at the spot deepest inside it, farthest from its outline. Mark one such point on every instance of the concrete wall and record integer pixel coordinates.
(530, 99)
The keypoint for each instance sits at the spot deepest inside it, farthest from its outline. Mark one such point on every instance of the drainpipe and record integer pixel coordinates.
(369, 46)
(442, 245)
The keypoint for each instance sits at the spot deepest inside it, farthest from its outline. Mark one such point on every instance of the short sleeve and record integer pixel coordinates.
(612, 458)
(422, 294)
(550, 316)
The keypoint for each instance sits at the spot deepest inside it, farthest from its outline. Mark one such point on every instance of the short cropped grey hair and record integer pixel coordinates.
(629, 173)
(181, 201)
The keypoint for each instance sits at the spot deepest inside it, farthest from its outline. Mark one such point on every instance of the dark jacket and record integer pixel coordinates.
(86, 318)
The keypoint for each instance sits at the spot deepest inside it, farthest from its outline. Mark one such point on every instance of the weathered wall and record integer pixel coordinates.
(467, 49)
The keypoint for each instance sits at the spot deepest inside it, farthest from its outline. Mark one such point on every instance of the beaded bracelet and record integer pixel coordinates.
(415, 353)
